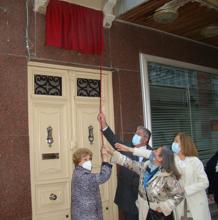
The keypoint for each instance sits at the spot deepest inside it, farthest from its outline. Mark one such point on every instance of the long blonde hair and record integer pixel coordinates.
(188, 147)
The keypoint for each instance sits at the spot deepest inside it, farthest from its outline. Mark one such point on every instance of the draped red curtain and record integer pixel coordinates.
(74, 27)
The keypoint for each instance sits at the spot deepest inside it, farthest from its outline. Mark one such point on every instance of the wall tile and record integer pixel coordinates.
(15, 178)
(12, 27)
(127, 41)
(13, 90)
(131, 100)
(117, 104)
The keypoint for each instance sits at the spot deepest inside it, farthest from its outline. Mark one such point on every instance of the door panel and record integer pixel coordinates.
(50, 159)
(52, 196)
(107, 211)
(65, 215)
(86, 115)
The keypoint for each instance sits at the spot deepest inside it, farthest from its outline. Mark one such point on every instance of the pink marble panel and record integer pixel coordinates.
(130, 100)
(117, 104)
(15, 178)
(12, 27)
(127, 41)
(13, 90)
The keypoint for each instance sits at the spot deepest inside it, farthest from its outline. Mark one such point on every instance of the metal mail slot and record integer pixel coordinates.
(50, 156)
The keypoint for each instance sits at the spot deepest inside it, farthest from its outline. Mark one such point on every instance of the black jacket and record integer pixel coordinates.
(127, 181)
(213, 176)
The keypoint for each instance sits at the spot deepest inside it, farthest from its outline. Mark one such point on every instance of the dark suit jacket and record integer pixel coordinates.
(213, 176)
(127, 181)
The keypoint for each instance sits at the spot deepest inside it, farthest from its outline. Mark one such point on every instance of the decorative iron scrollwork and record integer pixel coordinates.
(50, 139)
(88, 87)
(48, 85)
(91, 135)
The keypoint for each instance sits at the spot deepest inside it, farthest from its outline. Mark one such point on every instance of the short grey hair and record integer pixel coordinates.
(145, 130)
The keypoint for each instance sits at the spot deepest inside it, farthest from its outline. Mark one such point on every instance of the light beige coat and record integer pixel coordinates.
(195, 182)
(163, 189)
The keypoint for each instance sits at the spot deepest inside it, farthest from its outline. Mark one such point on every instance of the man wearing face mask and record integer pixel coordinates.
(127, 181)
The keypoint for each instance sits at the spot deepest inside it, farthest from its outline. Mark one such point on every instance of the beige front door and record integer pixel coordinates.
(63, 109)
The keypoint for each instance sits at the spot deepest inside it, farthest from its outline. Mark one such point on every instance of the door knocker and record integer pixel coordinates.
(91, 135)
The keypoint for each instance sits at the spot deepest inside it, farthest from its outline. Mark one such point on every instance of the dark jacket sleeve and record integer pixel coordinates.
(127, 184)
(211, 171)
(111, 137)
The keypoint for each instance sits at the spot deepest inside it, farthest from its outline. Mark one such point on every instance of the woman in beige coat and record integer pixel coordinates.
(158, 183)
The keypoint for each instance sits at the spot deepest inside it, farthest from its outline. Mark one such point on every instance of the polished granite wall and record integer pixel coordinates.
(123, 44)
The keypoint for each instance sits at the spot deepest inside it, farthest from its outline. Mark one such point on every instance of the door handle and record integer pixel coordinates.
(52, 196)
(91, 135)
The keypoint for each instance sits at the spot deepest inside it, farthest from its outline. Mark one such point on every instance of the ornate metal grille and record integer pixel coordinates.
(48, 85)
(88, 87)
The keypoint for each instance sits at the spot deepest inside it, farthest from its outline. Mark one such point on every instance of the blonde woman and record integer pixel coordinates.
(193, 178)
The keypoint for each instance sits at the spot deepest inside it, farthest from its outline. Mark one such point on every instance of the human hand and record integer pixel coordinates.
(210, 198)
(106, 152)
(158, 209)
(122, 147)
(102, 120)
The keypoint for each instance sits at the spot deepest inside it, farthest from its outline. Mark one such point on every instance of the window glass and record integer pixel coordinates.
(184, 100)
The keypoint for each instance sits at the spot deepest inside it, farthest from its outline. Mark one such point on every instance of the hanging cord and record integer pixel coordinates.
(27, 29)
(28, 43)
(101, 96)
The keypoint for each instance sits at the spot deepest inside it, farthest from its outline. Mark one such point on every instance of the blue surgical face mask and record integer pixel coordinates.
(176, 148)
(136, 139)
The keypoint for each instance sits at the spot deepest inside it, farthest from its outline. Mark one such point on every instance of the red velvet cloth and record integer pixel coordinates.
(74, 27)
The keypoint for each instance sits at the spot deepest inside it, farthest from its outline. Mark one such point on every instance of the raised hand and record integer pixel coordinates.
(102, 120)
(122, 147)
(106, 152)
(158, 210)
